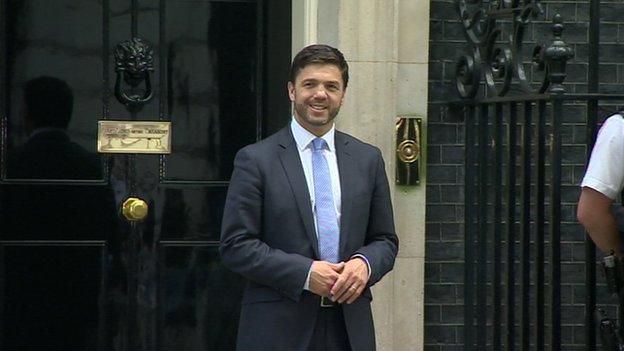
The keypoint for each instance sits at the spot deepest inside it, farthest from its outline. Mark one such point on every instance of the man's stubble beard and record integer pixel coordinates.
(302, 111)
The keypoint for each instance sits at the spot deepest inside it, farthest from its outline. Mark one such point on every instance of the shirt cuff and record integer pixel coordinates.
(600, 187)
(365, 260)
(306, 286)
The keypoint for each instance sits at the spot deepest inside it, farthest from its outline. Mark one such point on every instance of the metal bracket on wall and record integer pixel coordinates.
(408, 141)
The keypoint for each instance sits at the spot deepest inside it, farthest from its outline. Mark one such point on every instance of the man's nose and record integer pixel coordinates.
(320, 93)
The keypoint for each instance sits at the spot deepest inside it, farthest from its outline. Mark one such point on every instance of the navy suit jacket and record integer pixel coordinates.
(268, 236)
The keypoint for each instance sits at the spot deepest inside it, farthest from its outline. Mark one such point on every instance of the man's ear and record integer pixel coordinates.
(291, 91)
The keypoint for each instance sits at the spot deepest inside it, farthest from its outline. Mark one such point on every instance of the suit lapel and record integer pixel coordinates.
(346, 169)
(289, 157)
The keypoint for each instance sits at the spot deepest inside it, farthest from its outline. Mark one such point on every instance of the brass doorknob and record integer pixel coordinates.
(134, 209)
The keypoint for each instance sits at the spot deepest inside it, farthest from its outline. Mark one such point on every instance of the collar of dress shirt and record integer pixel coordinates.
(304, 137)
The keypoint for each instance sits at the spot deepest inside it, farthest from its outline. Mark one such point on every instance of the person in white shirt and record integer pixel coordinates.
(601, 185)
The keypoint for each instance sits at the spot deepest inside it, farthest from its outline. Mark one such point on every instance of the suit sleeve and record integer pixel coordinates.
(242, 249)
(382, 243)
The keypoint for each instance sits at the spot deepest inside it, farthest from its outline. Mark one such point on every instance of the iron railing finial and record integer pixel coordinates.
(556, 56)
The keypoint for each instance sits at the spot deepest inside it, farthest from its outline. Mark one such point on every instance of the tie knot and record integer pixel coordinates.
(319, 144)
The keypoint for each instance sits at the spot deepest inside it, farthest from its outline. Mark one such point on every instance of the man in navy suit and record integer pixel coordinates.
(308, 222)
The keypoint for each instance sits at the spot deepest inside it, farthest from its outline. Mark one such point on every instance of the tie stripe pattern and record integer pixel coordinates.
(326, 220)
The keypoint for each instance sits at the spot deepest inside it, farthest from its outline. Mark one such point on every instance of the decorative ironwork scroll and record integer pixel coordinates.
(134, 61)
(496, 30)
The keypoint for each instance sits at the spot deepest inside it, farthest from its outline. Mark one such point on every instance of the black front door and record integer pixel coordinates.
(76, 272)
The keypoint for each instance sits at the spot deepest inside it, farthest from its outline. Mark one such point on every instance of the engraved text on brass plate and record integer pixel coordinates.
(133, 137)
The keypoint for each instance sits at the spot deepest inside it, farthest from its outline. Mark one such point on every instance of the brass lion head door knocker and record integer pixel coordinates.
(134, 62)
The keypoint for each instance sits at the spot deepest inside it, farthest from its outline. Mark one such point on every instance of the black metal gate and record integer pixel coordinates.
(516, 198)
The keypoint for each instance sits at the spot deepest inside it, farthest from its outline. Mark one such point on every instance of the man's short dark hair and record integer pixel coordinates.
(319, 54)
(49, 102)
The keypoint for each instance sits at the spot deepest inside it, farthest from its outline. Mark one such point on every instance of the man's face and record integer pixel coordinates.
(317, 93)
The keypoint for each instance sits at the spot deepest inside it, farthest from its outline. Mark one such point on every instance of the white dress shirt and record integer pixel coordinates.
(303, 138)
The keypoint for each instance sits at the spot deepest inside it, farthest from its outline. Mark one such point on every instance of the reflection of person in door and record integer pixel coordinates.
(49, 153)
(52, 290)
(62, 211)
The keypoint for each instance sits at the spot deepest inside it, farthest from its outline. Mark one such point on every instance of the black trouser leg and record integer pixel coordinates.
(330, 332)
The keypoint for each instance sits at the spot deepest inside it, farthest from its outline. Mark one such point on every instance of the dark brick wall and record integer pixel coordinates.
(445, 168)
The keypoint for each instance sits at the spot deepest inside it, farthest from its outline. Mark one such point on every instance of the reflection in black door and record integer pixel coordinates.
(74, 273)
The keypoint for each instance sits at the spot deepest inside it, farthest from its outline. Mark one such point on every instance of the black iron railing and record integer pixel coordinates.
(513, 176)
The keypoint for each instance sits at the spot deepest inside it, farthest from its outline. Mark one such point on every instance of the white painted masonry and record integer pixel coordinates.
(386, 44)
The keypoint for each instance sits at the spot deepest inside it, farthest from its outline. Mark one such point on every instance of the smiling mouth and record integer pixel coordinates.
(319, 108)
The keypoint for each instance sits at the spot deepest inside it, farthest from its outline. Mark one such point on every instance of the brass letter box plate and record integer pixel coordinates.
(133, 137)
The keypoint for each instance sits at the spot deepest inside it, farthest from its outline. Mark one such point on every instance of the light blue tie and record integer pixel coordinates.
(326, 220)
